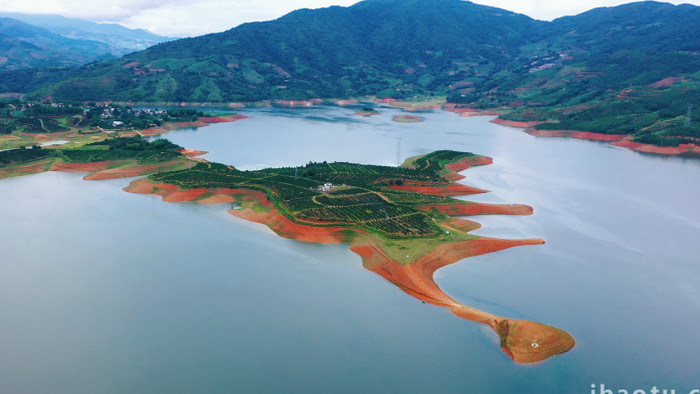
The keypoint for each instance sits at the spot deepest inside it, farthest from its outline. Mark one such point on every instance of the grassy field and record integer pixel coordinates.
(353, 195)
(122, 151)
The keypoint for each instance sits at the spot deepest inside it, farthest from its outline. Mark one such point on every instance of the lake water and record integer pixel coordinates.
(102, 291)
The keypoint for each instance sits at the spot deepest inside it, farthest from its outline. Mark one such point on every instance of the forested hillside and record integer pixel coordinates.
(636, 64)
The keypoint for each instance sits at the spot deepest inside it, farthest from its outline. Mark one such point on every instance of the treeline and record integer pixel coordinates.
(644, 112)
(137, 143)
(23, 155)
(121, 148)
(356, 194)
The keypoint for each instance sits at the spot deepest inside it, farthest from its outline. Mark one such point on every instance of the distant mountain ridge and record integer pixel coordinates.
(642, 57)
(121, 39)
(392, 48)
(369, 48)
(26, 46)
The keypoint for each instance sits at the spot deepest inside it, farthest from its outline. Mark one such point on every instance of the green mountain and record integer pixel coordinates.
(121, 40)
(32, 56)
(480, 56)
(632, 69)
(25, 46)
(385, 47)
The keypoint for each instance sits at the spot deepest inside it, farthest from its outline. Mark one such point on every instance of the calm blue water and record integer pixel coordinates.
(105, 291)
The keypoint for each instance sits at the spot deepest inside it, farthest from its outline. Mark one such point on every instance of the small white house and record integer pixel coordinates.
(326, 187)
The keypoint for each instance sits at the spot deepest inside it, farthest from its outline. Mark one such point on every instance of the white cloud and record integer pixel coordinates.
(190, 18)
(206, 16)
(552, 9)
(169, 17)
(88, 9)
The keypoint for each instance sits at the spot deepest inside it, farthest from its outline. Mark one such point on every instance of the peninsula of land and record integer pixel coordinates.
(400, 220)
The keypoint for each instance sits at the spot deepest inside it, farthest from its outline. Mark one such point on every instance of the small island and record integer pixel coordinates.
(25, 124)
(367, 112)
(400, 220)
(407, 119)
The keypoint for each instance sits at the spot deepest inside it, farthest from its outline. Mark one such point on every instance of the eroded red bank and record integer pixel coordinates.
(524, 341)
(681, 149)
(200, 122)
(584, 135)
(621, 140)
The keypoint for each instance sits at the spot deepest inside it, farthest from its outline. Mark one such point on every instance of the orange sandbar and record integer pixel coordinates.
(455, 189)
(468, 112)
(221, 119)
(454, 168)
(524, 341)
(466, 209)
(515, 123)
(689, 148)
(407, 119)
(200, 122)
(295, 103)
(132, 171)
(584, 135)
(366, 113)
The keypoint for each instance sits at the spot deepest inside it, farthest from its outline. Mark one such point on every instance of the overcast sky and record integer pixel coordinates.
(186, 18)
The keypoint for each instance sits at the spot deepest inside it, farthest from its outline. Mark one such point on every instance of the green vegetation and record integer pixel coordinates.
(597, 71)
(39, 125)
(117, 117)
(389, 48)
(342, 193)
(7, 126)
(368, 111)
(122, 148)
(359, 197)
(31, 117)
(654, 115)
(26, 46)
(21, 156)
(437, 160)
(339, 193)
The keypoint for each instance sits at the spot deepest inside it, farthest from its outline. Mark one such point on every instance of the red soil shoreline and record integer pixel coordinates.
(682, 149)
(584, 135)
(100, 170)
(468, 112)
(524, 341)
(479, 208)
(515, 123)
(407, 119)
(366, 114)
(454, 168)
(456, 189)
(621, 140)
(689, 149)
(200, 122)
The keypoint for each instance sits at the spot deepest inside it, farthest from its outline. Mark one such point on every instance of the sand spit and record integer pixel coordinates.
(682, 149)
(200, 122)
(515, 123)
(584, 135)
(621, 140)
(450, 190)
(523, 341)
(467, 209)
(366, 114)
(407, 119)
(468, 112)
